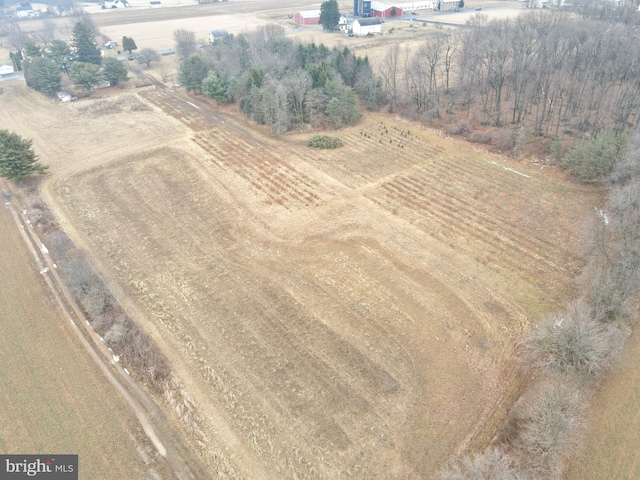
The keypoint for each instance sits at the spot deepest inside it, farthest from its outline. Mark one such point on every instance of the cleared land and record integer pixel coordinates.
(54, 399)
(333, 314)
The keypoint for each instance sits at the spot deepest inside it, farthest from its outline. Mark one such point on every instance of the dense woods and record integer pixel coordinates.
(543, 74)
(550, 71)
(283, 84)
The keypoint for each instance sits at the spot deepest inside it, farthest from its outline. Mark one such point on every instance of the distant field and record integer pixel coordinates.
(54, 399)
(154, 27)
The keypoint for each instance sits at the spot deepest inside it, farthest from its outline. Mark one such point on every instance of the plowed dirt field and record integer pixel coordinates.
(335, 314)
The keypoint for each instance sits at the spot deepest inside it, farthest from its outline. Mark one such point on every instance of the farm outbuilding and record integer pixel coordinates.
(413, 6)
(307, 17)
(447, 5)
(25, 10)
(365, 26)
(384, 10)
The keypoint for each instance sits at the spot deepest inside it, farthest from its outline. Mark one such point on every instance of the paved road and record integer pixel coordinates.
(12, 76)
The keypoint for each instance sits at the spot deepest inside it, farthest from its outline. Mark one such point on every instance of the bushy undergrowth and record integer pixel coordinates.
(570, 341)
(492, 464)
(135, 348)
(324, 141)
(500, 138)
(544, 425)
(592, 160)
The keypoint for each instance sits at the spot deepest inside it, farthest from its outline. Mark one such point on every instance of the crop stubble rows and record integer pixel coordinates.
(369, 347)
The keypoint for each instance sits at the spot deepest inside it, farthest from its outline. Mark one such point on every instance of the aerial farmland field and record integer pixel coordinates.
(334, 314)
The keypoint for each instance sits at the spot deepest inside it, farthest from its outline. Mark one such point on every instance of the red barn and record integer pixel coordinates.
(308, 17)
(384, 10)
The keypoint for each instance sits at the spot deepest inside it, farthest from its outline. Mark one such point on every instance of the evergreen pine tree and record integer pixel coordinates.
(329, 15)
(17, 158)
(43, 75)
(86, 46)
(129, 44)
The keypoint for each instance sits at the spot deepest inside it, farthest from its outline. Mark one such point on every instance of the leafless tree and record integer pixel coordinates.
(570, 341)
(417, 83)
(297, 86)
(17, 38)
(47, 33)
(185, 43)
(391, 72)
(165, 73)
(314, 105)
(148, 55)
(544, 426)
(86, 19)
(495, 463)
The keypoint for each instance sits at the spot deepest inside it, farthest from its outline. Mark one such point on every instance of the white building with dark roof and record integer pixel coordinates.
(366, 26)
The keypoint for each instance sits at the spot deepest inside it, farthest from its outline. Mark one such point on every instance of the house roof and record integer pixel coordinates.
(367, 22)
(219, 33)
(309, 13)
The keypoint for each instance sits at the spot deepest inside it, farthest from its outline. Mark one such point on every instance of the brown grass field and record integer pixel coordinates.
(613, 439)
(54, 399)
(343, 314)
(350, 313)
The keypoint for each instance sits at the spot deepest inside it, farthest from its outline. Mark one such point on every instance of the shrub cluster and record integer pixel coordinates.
(500, 138)
(324, 141)
(592, 160)
(135, 348)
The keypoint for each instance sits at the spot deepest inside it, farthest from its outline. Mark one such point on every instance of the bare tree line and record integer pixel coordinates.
(550, 71)
(107, 317)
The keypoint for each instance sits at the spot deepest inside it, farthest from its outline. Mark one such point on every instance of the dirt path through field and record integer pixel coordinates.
(53, 399)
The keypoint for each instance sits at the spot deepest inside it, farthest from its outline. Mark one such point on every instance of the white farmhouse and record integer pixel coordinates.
(25, 10)
(216, 35)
